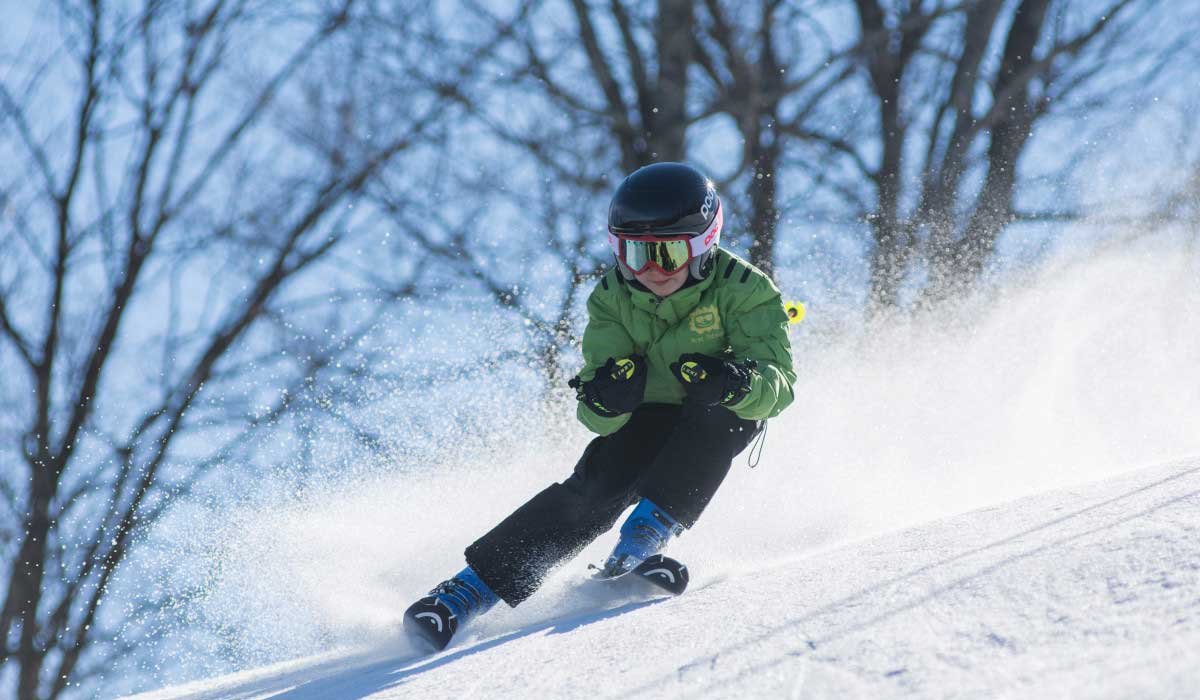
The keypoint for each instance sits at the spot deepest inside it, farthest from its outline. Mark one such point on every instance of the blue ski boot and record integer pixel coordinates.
(433, 620)
(645, 533)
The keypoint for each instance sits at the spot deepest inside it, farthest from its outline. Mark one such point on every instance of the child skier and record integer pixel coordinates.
(686, 353)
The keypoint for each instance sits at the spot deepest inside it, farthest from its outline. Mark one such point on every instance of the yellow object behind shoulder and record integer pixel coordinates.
(795, 311)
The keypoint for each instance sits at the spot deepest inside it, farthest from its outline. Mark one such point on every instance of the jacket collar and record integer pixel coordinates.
(675, 307)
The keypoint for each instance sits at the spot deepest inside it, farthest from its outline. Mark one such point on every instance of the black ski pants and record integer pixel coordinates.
(676, 456)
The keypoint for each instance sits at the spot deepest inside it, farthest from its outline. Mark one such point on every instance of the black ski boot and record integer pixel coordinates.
(432, 621)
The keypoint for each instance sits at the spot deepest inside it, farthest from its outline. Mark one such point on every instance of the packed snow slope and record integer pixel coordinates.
(1092, 591)
(859, 558)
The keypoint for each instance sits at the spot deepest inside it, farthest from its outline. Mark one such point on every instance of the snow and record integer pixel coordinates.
(1086, 591)
(948, 510)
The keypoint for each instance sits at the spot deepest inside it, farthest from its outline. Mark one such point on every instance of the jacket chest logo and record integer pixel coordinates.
(704, 321)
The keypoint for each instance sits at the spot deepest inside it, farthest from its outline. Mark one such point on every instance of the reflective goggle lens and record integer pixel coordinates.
(668, 255)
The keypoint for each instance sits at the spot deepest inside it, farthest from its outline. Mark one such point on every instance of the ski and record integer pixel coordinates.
(666, 574)
(430, 624)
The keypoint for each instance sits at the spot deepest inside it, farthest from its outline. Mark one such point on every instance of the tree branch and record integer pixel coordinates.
(618, 111)
(15, 337)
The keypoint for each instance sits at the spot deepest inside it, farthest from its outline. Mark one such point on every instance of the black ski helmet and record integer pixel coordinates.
(667, 198)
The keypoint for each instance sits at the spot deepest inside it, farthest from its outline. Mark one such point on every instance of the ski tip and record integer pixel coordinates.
(429, 625)
(660, 571)
(664, 572)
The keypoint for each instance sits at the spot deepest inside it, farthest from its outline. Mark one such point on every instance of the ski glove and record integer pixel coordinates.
(617, 388)
(711, 381)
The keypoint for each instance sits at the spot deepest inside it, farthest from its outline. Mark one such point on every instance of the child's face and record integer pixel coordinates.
(660, 283)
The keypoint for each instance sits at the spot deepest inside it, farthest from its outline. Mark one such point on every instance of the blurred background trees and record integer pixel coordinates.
(177, 194)
(913, 118)
(214, 215)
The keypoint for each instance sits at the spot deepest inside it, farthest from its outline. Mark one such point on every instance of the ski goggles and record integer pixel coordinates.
(669, 253)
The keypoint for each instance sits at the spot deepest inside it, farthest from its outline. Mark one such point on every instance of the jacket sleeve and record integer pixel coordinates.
(604, 337)
(758, 331)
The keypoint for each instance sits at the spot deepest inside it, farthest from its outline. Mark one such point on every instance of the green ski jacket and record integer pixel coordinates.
(735, 312)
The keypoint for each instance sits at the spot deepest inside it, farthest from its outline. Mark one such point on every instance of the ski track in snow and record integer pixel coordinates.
(1090, 591)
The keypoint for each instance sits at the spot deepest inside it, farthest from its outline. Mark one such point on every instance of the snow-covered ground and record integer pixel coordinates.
(1089, 591)
(916, 527)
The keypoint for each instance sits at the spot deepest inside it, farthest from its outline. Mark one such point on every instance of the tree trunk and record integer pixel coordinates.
(667, 121)
(885, 65)
(29, 573)
(889, 261)
(763, 193)
(955, 267)
(994, 211)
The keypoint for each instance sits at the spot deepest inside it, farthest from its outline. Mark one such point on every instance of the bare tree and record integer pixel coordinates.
(614, 82)
(917, 125)
(164, 243)
(766, 66)
(643, 83)
(957, 90)
(536, 206)
(622, 72)
(603, 88)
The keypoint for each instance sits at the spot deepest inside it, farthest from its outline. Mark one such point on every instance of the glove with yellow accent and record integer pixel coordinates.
(617, 388)
(711, 380)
